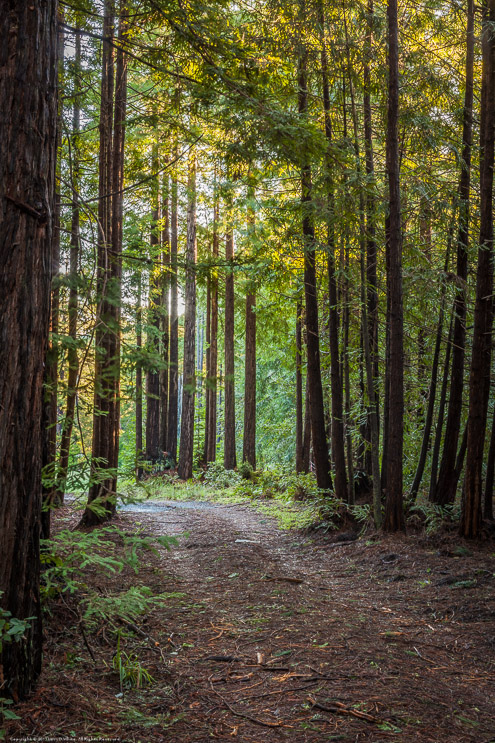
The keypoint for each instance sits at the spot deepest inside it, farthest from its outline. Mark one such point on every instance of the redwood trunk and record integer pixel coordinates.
(173, 389)
(185, 469)
(229, 453)
(394, 513)
(479, 380)
(28, 114)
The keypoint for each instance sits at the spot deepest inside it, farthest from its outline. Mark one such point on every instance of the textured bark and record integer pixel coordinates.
(185, 468)
(446, 486)
(479, 379)
(337, 403)
(28, 113)
(75, 249)
(207, 390)
(394, 512)
(306, 456)
(229, 452)
(106, 420)
(317, 412)
(211, 382)
(173, 389)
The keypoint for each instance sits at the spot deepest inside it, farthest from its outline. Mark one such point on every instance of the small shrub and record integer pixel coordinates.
(216, 476)
(246, 471)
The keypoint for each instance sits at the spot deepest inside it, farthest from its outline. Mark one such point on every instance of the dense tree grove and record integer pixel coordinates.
(271, 232)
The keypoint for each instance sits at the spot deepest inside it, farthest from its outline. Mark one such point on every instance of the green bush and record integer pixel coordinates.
(216, 476)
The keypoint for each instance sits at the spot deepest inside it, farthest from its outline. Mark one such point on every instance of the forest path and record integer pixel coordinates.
(264, 635)
(284, 635)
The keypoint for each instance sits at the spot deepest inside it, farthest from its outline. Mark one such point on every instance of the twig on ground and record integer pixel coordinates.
(255, 720)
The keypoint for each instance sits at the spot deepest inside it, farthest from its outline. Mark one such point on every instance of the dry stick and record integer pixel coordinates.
(247, 717)
(340, 709)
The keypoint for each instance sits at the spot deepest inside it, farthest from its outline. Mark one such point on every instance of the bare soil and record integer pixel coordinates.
(281, 636)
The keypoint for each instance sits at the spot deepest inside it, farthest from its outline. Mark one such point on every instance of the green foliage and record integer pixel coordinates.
(132, 675)
(107, 549)
(246, 470)
(216, 476)
(125, 606)
(433, 516)
(12, 629)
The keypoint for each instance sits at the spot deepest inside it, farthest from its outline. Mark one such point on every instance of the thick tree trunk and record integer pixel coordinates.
(446, 487)
(317, 412)
(185, 468)
(490, 475)
(479, 380)
(106, 418)
(435, 455)
(229, 452)
(28, 114)
(75, 240)
(173, 389)
(394, 512)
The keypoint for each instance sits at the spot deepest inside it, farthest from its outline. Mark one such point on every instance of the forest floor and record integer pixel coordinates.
(271, 635)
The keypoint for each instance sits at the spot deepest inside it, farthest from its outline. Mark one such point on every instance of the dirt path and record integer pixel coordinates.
(287, 636)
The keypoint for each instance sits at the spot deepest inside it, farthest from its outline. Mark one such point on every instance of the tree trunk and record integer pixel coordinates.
(446, 486)
(229, 452)
(490, 474)
(154, 325)
(299, 392)
(173, 389)
(106, 420)
(211, 383)
(185, 469)
(165, 320)
(28, 120)
(394, 512)
(317, 412)
(249, 430)
(479, 380)
(441, 411)
(139, 383)
(337, 404)
(75, 248)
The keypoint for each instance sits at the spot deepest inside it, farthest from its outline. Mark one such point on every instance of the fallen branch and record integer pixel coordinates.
(255, 720)
(338, 708)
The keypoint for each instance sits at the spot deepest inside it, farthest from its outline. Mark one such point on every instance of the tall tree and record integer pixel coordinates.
(185, 468)
(28, 114)
(229, 452)
(317, 413)
(154, 322)
(249, 436)
(211, 383)
(479, 379)
(75, 250)
(106, 419)
(173, 390)
(394, 513)
(446, 487)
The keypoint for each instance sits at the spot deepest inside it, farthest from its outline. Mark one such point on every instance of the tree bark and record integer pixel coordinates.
(249, 429)
(229, 452)
(211, 382)
(479, 380)
(173, 390)
(299, 391)
(337, 403)
(165, 320)
(75, 249)
(28, 116)
(446, 486)
(106, 420)
(154, 325)
(394, 513)
(317, 412)
(185, 468)
(139, 383)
